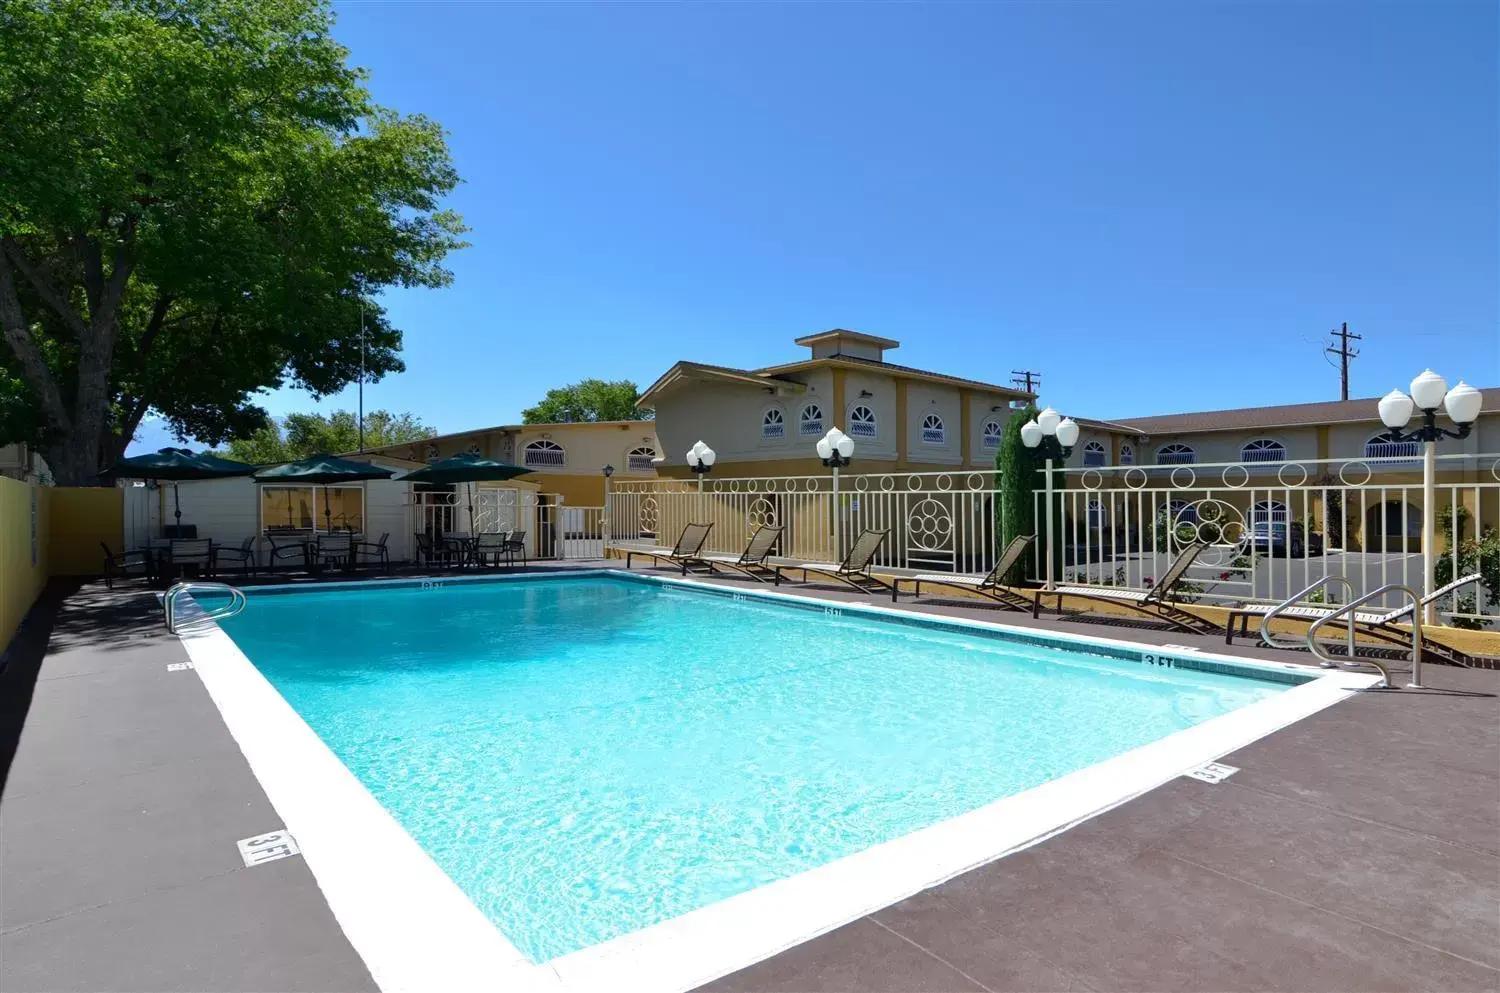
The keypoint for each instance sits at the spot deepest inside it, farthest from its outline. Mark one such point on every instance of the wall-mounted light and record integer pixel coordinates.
(865, 394)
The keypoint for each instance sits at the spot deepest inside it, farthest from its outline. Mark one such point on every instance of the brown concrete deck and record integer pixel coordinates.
(1357, 850)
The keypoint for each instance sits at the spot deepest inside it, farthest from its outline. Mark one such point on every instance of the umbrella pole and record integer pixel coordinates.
(473, 527)
(177, 504)
(327, 512)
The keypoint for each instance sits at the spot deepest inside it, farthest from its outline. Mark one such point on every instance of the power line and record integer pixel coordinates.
(1345, 353)
(1026, 379)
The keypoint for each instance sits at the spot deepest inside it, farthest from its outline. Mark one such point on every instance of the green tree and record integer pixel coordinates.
(198, 201)
(301, 435)
(588, 400)
(1016, 478)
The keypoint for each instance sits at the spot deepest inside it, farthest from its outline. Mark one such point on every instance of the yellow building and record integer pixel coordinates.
(765, 422)
(566, 459)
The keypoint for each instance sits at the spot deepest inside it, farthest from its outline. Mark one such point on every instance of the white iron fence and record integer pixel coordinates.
(1272, 527)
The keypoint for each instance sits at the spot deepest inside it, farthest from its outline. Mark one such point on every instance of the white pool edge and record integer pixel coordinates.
(416, 930)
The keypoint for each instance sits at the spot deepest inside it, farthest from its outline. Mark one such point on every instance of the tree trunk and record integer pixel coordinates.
(74, 461)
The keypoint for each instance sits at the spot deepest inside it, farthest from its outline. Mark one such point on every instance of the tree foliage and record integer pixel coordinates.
(301, 435)
(588, 400)
(1017, 479)
(198, 201)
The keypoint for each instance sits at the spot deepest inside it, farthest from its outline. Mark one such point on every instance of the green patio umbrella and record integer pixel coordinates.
(174, 465)
(466, 467)
(321, 470)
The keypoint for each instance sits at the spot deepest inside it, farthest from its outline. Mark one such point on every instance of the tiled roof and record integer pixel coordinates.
(1286, 415)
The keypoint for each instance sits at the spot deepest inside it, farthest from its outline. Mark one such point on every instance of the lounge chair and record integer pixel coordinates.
(854, 570)
(1157, 603)
(752, 561)
(684, 554)
(1380, 626)
(986, 586)
(120, 565)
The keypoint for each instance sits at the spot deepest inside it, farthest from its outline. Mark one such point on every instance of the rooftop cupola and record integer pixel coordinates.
(852, 344)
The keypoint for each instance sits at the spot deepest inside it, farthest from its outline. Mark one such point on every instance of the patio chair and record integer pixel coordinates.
(119, 565)
(1157, 603)
(515, 542)
(334, 549)
(431, 554)
(376, 551)
(1380, 626)
(288, 545)
(192, 554)
(458, 545)
(752, 561)
(490, 548)
(854, 570)
(244, 555)
(179, 531)
(986, 586)
(684, 554)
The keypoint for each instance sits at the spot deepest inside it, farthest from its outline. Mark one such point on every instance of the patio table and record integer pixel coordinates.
(461, 544)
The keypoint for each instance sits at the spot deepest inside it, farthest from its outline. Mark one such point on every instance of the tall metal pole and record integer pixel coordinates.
(1051, 532)
(361, 373)
(1429, 527)
(833, 518)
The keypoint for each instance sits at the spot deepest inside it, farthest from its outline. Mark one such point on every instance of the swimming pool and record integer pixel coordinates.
(589, 757)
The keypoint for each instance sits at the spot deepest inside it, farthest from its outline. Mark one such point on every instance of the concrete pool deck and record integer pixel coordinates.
(1356, 850)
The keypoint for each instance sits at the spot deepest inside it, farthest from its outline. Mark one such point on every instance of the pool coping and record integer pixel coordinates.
(417, 930)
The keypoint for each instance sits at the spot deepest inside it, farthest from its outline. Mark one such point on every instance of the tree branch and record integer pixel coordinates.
(37, 279)
(18, 336)
(153, 326)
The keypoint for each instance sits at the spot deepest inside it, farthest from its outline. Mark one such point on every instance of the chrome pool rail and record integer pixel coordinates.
(1349, 608)
(169, 600)
(1292, 601)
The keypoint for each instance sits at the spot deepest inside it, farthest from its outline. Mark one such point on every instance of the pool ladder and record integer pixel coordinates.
(169, 600)
(1351, 661)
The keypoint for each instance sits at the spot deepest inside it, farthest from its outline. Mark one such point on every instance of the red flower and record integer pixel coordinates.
(1225, 575)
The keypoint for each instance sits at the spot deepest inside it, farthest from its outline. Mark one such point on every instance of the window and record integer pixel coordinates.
(641, 459)
(312, 508)
(1263, 450)
(544, 454)
(474, 448)
(1176, 455)
(861, 422)
(1385, 446)
(1098, 515)
(991, 436)
(932, 430)
(1268, 512)
(810, 421)
(1127, 455)
(1094, 454)
(773, 425)
(1182, 512)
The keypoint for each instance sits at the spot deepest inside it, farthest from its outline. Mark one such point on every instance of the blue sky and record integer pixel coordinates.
(1159, 206)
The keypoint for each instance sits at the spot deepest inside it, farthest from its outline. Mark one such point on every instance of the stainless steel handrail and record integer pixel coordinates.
(1349, 608)
(1292, 601)
(169, 600)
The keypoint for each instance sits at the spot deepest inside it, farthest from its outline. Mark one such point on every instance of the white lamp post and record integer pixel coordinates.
(1429, 391)
(700, 459)
(1055, 436)
(836, 450)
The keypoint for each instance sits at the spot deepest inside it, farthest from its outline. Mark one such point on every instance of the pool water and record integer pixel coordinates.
(588, 756)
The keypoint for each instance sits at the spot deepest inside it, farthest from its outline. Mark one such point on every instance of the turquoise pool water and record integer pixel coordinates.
(587, 756)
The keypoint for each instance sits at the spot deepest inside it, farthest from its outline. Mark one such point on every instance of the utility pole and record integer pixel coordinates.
(361, 372)
(1026, 379)
(1345, 353)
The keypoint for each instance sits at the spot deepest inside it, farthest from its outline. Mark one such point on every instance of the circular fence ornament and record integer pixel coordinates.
(1344, 469)
(760, 513)
(1092, 479)
(648, 514)
(974, 481)
(1238, 481)
(862, 484)
(1192, 477)
(929, 525)
(887, 484)
(1136, 482)
(1281, 474)
(1495, 470)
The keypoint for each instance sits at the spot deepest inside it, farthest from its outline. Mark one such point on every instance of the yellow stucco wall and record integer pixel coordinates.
(82, 517)
(576, 491)
(23, 551)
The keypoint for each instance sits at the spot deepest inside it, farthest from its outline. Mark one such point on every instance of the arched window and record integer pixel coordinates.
(1263, 450)
(861, 422)
(932, 430)
(641, 459)
(1385, 446)
(473, 448)
(1094, 454)
(1176, 455)
(1098, 514)
(1127, 455)
(545, 454)
(1268, 512)
(773, 425)
(991, 436)
(810, 421)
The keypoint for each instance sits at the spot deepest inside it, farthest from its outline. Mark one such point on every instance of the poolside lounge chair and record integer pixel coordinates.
(752, 561)
(1380, 626)
(1158, 603)
(685, 553)
(854, 570)
(987, 586)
